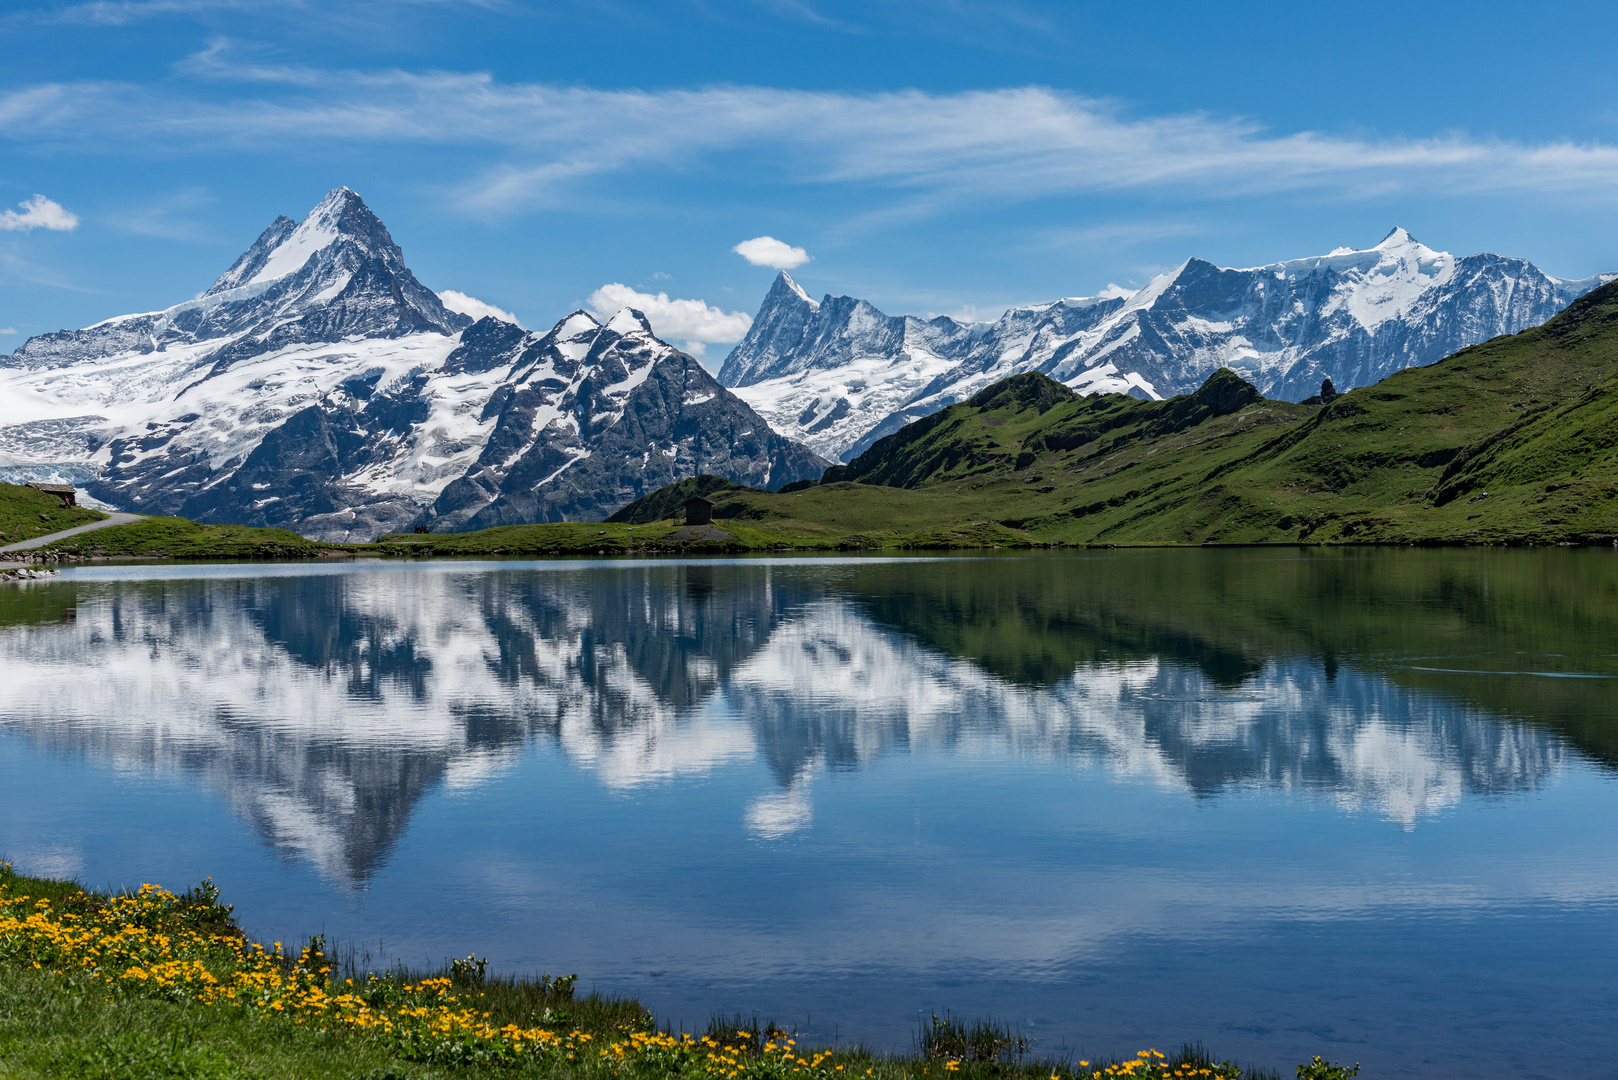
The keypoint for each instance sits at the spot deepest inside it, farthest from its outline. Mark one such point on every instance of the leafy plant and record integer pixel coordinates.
(469, 971)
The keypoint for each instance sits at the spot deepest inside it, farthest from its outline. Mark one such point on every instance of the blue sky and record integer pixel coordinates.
(932, 156)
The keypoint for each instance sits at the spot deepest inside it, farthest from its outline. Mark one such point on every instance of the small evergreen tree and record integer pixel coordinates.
(1327, 391)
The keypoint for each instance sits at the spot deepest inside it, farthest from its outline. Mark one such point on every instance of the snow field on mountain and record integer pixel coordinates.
(1354, 316)
(869, 388)
(224, 417)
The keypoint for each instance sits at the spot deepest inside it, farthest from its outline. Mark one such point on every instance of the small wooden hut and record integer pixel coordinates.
(698, 511)
(67, 492)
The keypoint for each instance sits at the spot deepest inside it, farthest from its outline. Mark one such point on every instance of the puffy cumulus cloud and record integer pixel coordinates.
(692, 322)
(39, 213)
(473, 307)
(768, 251)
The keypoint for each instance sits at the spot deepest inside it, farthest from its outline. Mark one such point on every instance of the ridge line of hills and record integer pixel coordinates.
(838, 374)
(317, 387)
(1514, 441)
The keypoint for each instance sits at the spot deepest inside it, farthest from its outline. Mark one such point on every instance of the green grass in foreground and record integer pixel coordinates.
(149, 985)
(180, 538)
(26, 514)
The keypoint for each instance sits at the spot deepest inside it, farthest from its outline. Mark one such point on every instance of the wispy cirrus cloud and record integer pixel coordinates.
(128, 12)
(546, 141)
(172, 215)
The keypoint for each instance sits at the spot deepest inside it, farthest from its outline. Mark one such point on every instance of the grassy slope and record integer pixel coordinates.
(183, 539)
(21, 509)
(822, 520)
(1531, 419)
(1511, 441)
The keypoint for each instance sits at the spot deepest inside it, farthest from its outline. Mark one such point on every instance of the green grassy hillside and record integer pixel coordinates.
(26, 514)
(1511, 441)
(180, 538)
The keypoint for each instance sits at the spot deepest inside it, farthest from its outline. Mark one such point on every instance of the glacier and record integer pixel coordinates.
(318, 386)
(838, 374)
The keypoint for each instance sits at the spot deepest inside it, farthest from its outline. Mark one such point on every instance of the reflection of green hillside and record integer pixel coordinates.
(1226, 611)
(37, 602)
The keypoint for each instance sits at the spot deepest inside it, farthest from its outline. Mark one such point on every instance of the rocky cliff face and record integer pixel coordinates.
(318, 385)
(338, 274)
(587, 418)
(839, 374)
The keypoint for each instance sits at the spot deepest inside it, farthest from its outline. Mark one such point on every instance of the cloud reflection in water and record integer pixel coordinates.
(324, 706)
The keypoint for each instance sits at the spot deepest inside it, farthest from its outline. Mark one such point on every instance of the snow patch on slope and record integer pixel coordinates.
(1354, 315)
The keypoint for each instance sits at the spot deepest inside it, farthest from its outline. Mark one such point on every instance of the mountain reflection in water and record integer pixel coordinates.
(324, 703)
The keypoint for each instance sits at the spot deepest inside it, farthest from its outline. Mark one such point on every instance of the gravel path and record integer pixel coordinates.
(117, 517)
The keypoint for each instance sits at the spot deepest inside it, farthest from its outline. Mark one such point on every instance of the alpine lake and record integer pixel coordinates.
(1360, 803)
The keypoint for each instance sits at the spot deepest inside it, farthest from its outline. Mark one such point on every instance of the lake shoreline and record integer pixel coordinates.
(787, 784)
(77, 965)
(446, 546)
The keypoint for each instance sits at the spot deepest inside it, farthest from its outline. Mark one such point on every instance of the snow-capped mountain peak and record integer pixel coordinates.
(1155, 288)
(576, 325)
(1398, 236)
(285, 248)
(629, 321)
(786, 279)
(319, 386)
(840, 374)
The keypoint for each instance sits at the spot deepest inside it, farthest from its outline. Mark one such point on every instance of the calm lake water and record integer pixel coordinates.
(1362, 803)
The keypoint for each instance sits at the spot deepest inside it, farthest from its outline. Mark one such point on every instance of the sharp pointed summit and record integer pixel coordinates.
(318, 385)
(286, 247)
(778, 330)
(1398, 237)
(840, 374)
(785, 280)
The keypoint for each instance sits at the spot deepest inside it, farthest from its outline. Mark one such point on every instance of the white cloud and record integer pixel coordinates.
(39, 213)
(471, 305)
(768, 251)
(937, 150)
(8, 329)
(692, 322)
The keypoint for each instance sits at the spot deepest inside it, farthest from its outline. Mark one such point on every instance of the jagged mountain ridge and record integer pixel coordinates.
(840, 374)
(337, 274)
(318, 385)
(589, 417)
